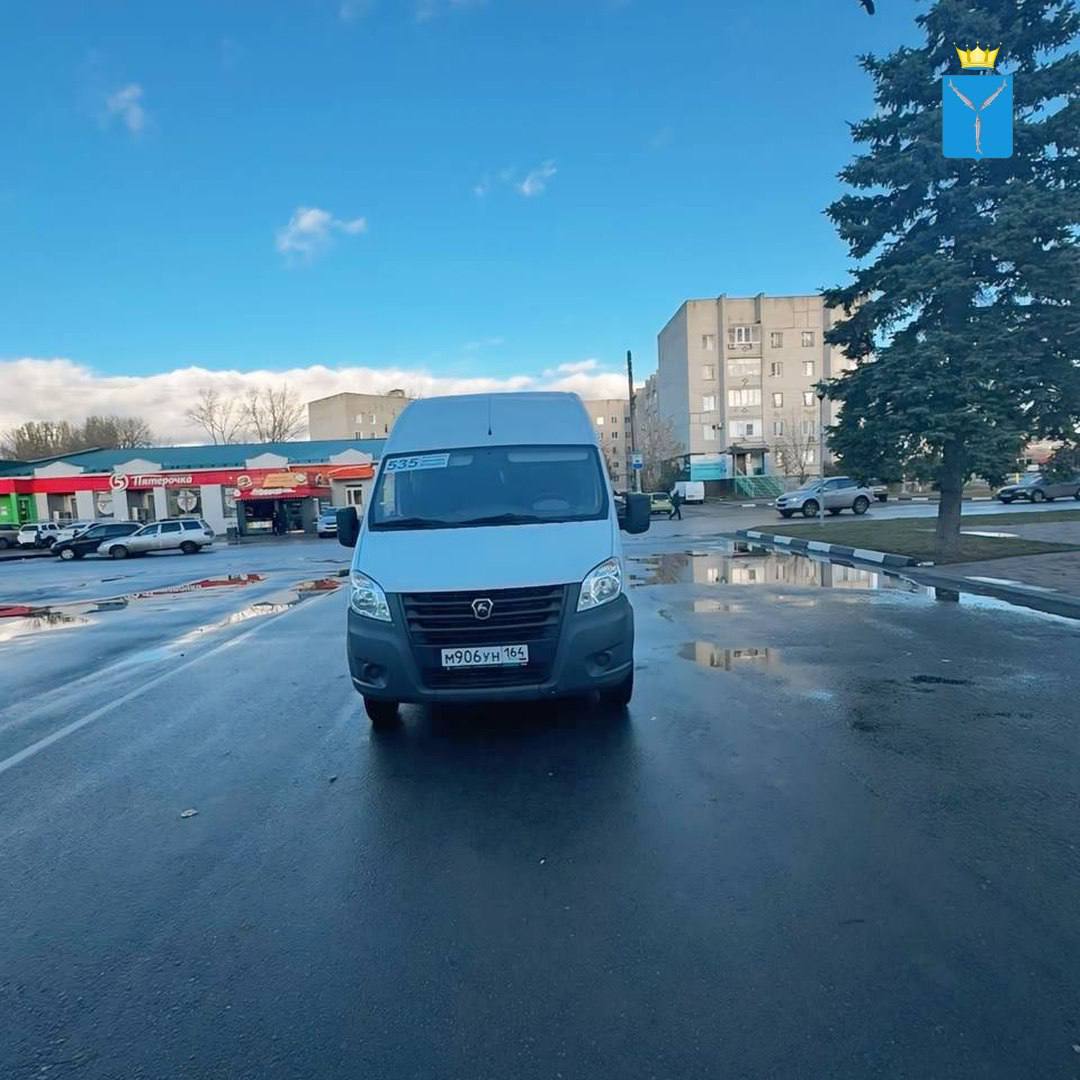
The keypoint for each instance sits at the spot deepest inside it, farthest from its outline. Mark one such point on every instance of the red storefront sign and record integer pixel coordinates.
(245, 479)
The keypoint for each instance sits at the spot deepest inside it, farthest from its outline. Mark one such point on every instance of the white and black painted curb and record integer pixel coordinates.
(833, 551)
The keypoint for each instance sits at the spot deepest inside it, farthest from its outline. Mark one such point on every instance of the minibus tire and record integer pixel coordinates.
(382, 714)
(618, 697)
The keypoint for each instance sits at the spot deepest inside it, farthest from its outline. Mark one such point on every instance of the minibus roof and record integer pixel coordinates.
(530, 419)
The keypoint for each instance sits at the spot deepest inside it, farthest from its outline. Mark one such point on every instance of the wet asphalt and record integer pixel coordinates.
(835, 836)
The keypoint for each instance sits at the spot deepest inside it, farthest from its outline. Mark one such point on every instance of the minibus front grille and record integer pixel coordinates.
(515, 616)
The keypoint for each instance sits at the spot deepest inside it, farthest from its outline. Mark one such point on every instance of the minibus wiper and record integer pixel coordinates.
(415, 523)
(505, 519)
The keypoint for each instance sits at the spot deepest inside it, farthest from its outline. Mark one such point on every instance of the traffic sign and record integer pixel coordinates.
(637, 461)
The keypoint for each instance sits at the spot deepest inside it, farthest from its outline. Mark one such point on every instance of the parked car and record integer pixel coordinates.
(1035, 487)
(188, 535)
(90, 540)
(39, 534)
(660, 502)
(836, 493)
(327, 524)
(879, 490)
(71, 529)
(9, 536)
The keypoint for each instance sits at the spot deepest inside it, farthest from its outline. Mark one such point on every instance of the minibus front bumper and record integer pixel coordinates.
(592, 650)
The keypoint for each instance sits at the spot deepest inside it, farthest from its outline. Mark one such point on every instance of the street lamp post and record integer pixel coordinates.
(821, 397)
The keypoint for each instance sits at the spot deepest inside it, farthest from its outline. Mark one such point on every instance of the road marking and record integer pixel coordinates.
(70, 729)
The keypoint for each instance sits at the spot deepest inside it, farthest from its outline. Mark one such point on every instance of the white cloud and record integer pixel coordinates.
(310, 231)
(126, 105)
(351, 10)
(577, 367)
(536, 180)
(429, 9)
(61, 389)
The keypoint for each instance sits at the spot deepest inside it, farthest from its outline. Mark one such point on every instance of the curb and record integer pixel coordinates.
(838, 551)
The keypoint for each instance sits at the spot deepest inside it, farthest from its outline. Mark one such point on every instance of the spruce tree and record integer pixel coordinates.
(965, 298)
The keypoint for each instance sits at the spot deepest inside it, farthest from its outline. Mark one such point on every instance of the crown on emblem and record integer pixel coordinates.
(978, 57)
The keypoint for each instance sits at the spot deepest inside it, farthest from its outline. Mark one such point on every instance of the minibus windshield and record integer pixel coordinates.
(489, 485)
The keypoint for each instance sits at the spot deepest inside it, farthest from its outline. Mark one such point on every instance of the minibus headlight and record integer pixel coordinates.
(602, 584)
(367, 598)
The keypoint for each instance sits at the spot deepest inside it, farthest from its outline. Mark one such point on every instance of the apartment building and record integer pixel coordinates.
(611, 421)
(355, 416)
(736, 380)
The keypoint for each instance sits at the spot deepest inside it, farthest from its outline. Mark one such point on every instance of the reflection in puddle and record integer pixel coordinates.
(994, 535)
(742, 564)
(710, 655)
(27, 621)
(38, 623)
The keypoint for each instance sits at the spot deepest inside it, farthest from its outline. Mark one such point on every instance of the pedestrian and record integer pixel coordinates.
(676, 506)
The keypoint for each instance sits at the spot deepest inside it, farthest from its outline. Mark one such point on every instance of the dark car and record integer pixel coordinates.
(9, 536)
(1035, 487)
(86, 543)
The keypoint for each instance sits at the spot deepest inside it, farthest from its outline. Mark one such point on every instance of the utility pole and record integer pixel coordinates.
(633, 417)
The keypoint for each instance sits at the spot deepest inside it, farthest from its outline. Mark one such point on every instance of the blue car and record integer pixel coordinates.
(327, 525)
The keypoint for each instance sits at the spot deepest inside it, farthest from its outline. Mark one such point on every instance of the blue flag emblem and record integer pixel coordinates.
(976, 116)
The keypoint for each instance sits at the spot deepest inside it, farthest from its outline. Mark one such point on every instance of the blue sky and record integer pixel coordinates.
(501, 187)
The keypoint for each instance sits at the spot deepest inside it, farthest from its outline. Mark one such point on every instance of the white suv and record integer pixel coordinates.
(188, 535)
(39, 534)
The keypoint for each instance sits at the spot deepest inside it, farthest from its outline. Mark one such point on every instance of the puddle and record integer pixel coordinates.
(22, 621)
(38, 623)
(707, 654)
(743, 564)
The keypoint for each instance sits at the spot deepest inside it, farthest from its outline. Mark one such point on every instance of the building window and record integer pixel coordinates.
(808, 339)
(809, 457)
(808, 397)
(600, 436)
(708, 372)
(358, 435)
(614, 434)
(808, 427)
(778, 400)
(808, 368)
(776, 369)
(744, 369)
(776, 339)
(599, 421)
(743, 335)
(745, 429)
(354, 496)
(743, 397)
(614, 420)
(778, 427)
(708, 432)
(708, 403)
(708, 342)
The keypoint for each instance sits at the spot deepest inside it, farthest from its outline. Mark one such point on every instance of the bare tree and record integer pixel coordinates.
(613, 459)
(220, 417)
(41, 438)
(274, 415)
(659, 449)
(122, 432)
(48, 438)
(795, 445)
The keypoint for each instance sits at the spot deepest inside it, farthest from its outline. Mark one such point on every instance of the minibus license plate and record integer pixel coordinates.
(486, 656)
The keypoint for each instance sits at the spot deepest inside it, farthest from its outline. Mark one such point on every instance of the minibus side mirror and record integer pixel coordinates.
(348, 527)
(637, 515)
